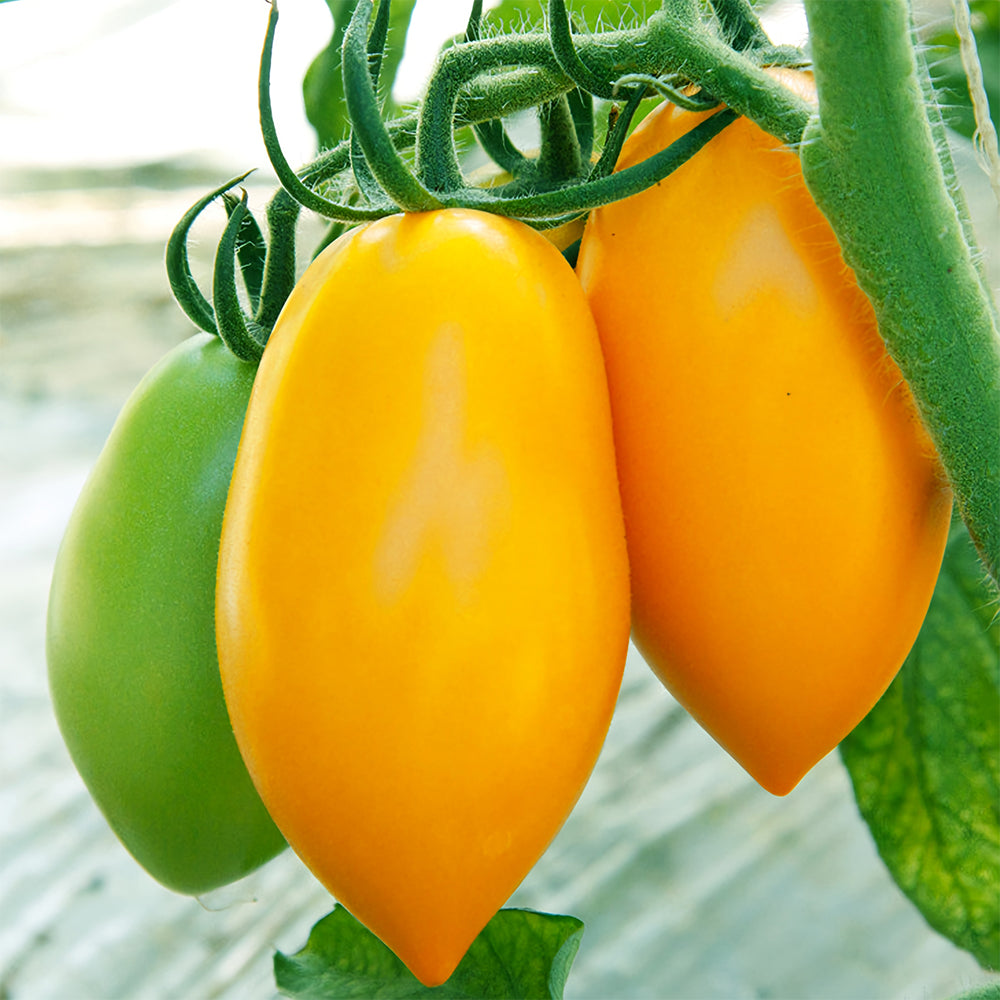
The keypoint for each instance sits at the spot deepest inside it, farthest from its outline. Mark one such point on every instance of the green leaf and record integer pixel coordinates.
(323, 85)
(925, 763)
(519, 954)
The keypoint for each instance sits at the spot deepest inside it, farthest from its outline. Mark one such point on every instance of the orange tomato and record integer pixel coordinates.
(422, 609)
(785, 511)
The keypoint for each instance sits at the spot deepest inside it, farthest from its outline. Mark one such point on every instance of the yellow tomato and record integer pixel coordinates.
(423, 587)
(785, 511)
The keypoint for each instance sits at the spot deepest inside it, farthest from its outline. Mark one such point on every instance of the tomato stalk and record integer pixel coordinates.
(873, 166)
(279, 262)
(474, 84)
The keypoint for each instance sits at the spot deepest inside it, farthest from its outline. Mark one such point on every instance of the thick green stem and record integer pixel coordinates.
(732, 78)
(279, 263)
(871, 163)
(437, 160)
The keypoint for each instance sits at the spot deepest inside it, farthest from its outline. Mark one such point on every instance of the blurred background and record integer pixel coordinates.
(115, 115)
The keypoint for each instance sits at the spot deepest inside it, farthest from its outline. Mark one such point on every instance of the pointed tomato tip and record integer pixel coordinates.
(779, 784)
(432, 972)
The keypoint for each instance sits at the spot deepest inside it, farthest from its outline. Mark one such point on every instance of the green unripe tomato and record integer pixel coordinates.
(131, 637)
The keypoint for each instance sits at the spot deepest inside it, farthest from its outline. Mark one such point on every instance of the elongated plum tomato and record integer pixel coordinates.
(422, 610)
(785, 512)
(131, 635)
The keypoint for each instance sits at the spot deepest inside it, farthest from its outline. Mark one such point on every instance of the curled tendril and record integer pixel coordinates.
(242, 335)
(699, 101)
(196, 307)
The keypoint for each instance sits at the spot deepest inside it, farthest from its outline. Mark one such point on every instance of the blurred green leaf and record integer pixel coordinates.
(988, 991)
(948, 73)
(518, 955)
(323, 85)
(925, 763)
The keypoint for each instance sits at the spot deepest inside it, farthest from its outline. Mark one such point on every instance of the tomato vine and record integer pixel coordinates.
(872, 154)
(936, 314)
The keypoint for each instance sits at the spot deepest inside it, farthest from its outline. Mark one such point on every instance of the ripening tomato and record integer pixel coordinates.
(422, 610)
(785, 511)
(131, 636)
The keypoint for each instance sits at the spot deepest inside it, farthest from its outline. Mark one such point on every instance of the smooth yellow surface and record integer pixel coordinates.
(423, 587)
(784, 509)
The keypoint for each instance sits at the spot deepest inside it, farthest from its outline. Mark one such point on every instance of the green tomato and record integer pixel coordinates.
(131, 638)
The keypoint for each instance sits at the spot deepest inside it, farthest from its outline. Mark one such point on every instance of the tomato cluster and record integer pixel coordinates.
(465, 473)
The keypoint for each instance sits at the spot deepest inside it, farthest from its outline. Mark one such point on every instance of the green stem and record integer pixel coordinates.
(559, 155)
(674, 42)
(197, 308)
(871, 163)
(733, 78)
(290, 181)
(561, 32)
(740, 24)
(618, 126)
(437, 160)
(366, 116)
(279, 263)
(491, 135)
(251, 251)
(239, 333)
(581, 107)
(579, 198)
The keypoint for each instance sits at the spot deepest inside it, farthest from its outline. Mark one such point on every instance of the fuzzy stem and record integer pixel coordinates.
(279, 263)
(559, 156)
(251, 251)
(578, 198)
(365, 114)
(197, 308)
(871, 163)
(239, 333)
(437, 160)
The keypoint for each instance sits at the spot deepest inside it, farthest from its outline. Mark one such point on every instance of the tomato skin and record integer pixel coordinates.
(422, 607)
(130, 633)
(785, 512)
